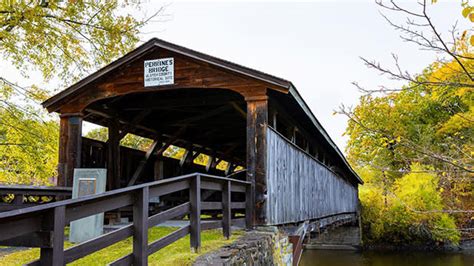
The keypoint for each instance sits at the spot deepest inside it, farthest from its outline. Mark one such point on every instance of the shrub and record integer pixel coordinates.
(406, 212)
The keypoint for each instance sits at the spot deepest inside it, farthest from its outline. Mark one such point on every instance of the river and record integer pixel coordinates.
(392, 258)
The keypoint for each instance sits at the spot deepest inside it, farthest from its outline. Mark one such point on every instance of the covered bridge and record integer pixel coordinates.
(180, 97)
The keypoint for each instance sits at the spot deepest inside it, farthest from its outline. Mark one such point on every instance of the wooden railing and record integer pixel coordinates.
(17, 196)
(43, 226)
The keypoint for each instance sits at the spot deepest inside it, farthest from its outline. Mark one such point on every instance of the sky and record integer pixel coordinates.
(314, 44)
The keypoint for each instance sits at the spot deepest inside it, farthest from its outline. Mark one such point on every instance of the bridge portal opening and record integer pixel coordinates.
(187, 130)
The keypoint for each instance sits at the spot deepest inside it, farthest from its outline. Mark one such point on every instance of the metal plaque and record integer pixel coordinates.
(159, 72)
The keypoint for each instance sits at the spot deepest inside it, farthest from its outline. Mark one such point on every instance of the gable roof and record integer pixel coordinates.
(52, 103)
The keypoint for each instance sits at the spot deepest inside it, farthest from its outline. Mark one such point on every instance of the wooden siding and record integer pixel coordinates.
(300, 188)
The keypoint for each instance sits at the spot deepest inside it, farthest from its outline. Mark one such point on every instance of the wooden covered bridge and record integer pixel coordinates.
(281, 166)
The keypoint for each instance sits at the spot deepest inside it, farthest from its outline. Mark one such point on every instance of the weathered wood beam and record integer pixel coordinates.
(212, 164)
(70, 138)
(230, 168)
(141, 166)
(54, 222)
(257, 120)
(274, 119)
(155, 134)
(202, 116)
(239, 109)
(195, 213)
(156, 151)
(140, 227)
(113, 155)
(135, 121)
(124, 122)
(187, 157)
(36, 239)
(158, 169)
(226, 209)
(293, 129)
(154, 104)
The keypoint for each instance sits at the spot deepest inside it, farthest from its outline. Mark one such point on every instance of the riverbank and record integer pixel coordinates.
(464, 246)
(386, 258)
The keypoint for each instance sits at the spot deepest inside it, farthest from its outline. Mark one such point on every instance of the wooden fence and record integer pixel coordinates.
(17, 196)
(43, 226)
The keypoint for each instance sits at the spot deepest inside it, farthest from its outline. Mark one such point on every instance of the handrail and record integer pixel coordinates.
(113, 192)
(33, 188)
(43, 226)
(25, 196)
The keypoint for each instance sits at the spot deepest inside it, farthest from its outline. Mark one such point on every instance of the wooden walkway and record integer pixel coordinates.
(43, 226)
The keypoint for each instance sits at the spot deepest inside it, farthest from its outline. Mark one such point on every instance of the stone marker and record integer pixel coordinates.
(87, 181)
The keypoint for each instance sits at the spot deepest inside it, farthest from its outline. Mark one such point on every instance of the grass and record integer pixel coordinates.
(178, 253)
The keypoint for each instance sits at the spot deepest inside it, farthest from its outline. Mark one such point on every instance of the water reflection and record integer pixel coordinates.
(371, 258)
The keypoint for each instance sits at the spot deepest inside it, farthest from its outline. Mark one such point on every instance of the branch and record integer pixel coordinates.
(399, 75)
(438, 35)
(397, 8)
(406, 143)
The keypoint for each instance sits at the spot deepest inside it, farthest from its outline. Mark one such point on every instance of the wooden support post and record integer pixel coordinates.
(140, 228)
(212, 163)
(249, 223)
(226, 209)
(274, 120)
(293, 134)
(54, 222)
(187, 158)
(18, 199)
(195, 213)
(113, 155)
(158, 170)
(62, 152)
(257, 120)
(70, 139)
(228, 168)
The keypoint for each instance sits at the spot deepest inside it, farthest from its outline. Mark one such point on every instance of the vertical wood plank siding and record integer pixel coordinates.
(301, 188)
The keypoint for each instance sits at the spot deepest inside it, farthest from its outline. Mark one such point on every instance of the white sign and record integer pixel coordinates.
(159, 72)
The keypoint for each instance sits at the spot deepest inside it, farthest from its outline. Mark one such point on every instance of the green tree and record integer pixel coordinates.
(61, 41)
(429, 125)
(27, 158)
